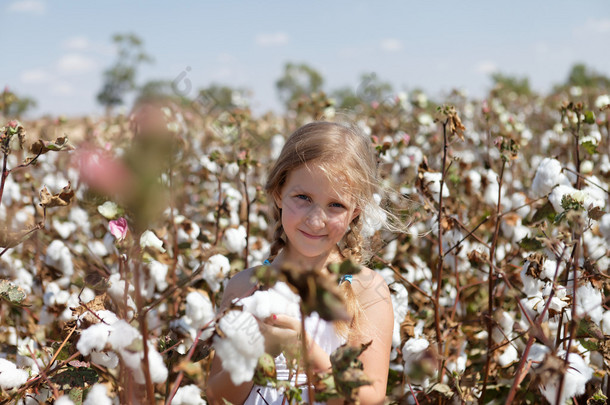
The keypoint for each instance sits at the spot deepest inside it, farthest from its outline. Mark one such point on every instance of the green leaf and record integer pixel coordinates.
(588, 344)
(76, 395)
(530, 244)
(76, 377)
(10, 292)
(589, 117)
(590, 147)
(544, 212)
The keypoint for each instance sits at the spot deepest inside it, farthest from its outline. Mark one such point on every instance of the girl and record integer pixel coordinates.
(322, 189)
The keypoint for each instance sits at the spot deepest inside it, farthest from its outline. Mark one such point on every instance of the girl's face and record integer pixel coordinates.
(315, 214)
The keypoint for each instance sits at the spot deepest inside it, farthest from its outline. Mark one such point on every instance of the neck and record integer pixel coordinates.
(314, 263)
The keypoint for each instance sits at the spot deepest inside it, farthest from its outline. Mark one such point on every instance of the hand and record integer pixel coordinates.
(281, 333)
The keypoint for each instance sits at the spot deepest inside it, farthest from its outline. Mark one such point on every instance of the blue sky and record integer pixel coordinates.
(56, 52)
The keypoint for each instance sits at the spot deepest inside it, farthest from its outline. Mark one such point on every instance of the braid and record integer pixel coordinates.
(353, 241)
(278, 233)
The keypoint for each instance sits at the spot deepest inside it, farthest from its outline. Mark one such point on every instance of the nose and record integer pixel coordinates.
(316, 218)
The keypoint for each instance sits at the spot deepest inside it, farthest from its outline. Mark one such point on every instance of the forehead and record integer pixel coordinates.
(315, 178)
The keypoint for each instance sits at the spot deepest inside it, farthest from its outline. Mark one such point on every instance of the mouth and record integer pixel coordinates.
(310, 236)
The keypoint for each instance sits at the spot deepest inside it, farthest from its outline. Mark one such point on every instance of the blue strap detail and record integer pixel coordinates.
(346, 277)
(266, 261)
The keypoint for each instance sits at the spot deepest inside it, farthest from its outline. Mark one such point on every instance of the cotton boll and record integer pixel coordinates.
(64, 229)
(150, 240)
(188, 395)
(374, 218)
(10, 375)
(158, 272)
(97, 395)
(241, 347)
(79, 216)
(235, 239)
(59, 256)
(401, 308)
(412, 352)
(200, 313)
(93, 338)
(509, 356)
(122, 335)
(277, 300)
(215, 270)
(156, 363)
(98, 248)
(548, 175)
(105, 359)
(604, 226)
(230, 170)
(557, 195)
(64, 400)
(589, 302)
(433, 182)
(575, 378)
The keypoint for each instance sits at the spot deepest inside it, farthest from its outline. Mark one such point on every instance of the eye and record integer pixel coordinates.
(337, 205)
(302, 197)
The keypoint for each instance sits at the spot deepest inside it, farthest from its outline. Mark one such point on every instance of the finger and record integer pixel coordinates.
(285, 321)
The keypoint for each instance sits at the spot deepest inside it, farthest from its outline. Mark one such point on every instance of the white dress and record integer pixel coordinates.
(324, 334)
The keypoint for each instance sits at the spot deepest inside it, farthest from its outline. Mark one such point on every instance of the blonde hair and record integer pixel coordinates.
(341, 151)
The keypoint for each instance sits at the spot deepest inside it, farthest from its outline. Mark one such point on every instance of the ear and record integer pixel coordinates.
(355, 214)
(278, 199)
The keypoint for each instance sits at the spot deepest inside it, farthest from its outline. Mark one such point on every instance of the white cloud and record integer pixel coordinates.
(75, 63)
(598, 26)
(78, 43)
(27, 6)
(273, 39)
(391, 44)
(62, 89)
(35, 76)
(486, 67)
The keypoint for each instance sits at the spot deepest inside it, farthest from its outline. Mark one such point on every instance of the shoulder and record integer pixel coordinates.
(239, 286)
(370, 288)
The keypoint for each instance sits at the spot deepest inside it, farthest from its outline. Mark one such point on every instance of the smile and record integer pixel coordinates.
(310, 236)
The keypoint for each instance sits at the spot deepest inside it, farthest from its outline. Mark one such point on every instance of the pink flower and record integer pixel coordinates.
(13, 123)
(118, 228)
(375, 104)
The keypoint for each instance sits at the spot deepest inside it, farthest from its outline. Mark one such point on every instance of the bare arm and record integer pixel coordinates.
(219, 384)
(377, 325)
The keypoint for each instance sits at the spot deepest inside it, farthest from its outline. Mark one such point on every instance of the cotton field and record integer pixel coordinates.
(117, 243)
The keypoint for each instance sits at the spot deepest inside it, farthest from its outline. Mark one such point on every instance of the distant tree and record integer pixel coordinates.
(218, 96)
(505, 84)
(158, 90)
(298, 80)
(345, 97)
(372, 88)
(14, 106)
(581, 75)
(119, 79)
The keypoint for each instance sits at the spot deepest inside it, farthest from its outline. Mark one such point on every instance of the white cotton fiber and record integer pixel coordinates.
(234, 239)
(97, 395)
(576, 376)
(215, 270)
(59, 256)
(241, 347)
(10, 375)
(122, 335)
(277, 300)
(64, 400)
(548, 175)
(105, 359)
(188, 395)
(199, 311)
(93, 338)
